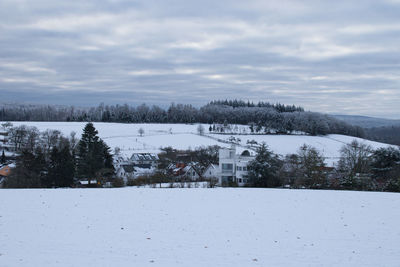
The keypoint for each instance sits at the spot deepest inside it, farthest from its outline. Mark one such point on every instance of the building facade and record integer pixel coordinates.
(233, 167)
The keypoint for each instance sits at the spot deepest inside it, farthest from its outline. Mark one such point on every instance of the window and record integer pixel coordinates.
(239, 180)
(244, 168)
(238, 168)
(227, 167)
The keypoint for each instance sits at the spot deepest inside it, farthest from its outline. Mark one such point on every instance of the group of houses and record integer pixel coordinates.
(139, 164)
(232, 167)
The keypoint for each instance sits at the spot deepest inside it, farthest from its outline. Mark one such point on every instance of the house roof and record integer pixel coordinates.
(144, 156)
(5, 171)
(187, 168)
(213, 166)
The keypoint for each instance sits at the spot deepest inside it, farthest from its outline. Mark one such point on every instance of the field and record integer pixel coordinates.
(184, 136)
(198, 227)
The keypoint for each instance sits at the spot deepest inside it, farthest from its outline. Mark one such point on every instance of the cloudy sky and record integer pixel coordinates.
(339, 57)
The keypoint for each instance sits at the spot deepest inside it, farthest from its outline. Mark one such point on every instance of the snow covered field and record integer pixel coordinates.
(198, 227)
(184, 136)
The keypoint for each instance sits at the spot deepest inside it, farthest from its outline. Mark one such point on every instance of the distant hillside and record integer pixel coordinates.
(389, 134)
(272, 118)
(376, 129)
(367, 122)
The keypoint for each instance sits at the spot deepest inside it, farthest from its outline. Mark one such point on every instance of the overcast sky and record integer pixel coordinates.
(339, 57)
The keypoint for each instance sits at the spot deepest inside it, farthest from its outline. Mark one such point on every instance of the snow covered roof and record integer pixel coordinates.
(139, 171)
(213, 166)
(144, 157)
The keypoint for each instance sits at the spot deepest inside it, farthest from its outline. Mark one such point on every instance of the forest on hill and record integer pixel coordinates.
(276, 118)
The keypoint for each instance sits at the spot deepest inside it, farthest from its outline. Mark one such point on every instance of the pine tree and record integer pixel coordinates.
(263, 170)
(3, 158)
(311, 163)
(88, 163)
(94, 157)
(61, 167)
(30, 171)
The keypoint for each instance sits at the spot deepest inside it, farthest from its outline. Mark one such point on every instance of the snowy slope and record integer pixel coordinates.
(183, 136)
(198, 227)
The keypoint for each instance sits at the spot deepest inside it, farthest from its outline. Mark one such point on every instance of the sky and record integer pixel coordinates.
(337, 57)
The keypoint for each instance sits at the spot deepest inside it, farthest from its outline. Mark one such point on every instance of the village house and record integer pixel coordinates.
(144, 160)
(180, 170)
(139, 164)
(233, 167)
(126, 172)
(212, 171)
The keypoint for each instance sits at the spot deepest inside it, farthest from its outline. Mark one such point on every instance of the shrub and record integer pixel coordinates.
(118, 182)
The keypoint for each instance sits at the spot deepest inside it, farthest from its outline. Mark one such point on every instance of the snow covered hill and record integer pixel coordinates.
(184, 136)
(198, 227)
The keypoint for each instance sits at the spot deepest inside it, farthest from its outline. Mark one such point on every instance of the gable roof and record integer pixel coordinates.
(188, 168)
(5, 171)
(212, 166)
(144, 156)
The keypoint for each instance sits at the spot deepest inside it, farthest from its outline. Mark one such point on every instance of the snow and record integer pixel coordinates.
(184, 136)
(198, 227)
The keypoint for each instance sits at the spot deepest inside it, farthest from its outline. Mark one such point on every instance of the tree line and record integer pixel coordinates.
(359, 168)
(282, 119)
(386, 134)
(49, 159)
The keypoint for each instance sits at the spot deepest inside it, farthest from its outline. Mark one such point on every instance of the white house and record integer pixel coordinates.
(120, 160)
(233, 167)
(190, 173)
(212, 171)
(126, 172)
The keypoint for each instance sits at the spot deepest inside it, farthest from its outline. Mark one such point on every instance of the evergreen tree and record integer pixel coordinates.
(3, 158)
(30, 171)
(264, 169)
(311, 164)
(61, 167)
(386, 168)
(93, 154)
(87, 162)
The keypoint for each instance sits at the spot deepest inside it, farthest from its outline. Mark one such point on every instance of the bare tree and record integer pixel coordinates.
(117, 151)
(355, 158)
(200, 129)
(141, 131)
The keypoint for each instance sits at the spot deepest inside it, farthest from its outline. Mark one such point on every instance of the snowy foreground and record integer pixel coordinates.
(184, 136)
(198, 227)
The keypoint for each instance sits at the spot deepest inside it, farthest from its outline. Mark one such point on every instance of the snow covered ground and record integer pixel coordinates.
(198, 227)
(184, 136)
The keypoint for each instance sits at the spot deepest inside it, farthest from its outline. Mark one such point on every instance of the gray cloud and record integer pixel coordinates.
(336, 57)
